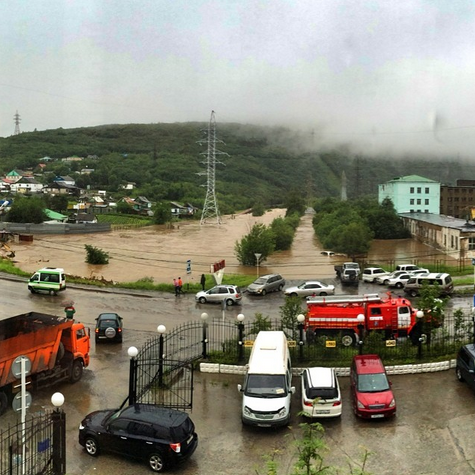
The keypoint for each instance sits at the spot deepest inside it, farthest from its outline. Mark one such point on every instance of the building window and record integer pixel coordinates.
(419, 189)
(411, 201)
(471, 244)
(427, 191)
(418, 201)
(426, 211)
(426, 201)
(412, 189)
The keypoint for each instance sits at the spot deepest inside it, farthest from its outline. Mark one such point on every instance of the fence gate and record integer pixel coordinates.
(37, 447)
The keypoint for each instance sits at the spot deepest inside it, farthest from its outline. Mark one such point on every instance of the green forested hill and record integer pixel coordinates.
(164, 160)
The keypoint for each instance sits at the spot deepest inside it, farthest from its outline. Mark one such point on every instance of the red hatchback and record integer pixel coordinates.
(371, 393)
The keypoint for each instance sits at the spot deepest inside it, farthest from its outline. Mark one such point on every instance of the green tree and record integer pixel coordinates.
(288, 314)
(259, 240)
(162, 213)
(433, 307)
(123, 208)
(95, 255)
(353, 239)
(27, 210)
(283, 234)
(295, 203)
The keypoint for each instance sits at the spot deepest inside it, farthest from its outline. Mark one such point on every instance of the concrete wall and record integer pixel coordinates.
(56, 228)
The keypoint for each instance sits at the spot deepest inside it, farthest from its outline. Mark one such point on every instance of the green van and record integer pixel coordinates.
(48, 279)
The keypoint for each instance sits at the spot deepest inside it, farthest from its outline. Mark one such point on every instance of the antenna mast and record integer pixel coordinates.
(210, 207)
(17, 120)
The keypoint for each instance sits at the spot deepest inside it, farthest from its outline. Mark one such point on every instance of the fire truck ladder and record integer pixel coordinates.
(345, 299)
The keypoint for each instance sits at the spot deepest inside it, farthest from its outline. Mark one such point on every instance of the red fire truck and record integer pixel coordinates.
(347, 316)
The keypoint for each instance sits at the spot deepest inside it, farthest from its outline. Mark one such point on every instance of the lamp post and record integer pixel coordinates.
(132, 352)
(419, 316)
(301, 319)
(160, 329)
(473, 321)
(204, 318)
(59, 435)
(258, 259)
(360, 319)
(240, 319)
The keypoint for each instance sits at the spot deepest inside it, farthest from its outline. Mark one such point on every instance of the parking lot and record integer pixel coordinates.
(431, 433)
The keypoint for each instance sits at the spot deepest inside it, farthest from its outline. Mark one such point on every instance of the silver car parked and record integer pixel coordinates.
(231, 294)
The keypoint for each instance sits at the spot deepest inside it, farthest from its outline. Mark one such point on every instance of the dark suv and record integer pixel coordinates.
(109, 327)
(158, 435)
(465, 369)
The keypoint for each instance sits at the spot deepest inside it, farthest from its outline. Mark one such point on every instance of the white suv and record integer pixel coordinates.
(371, 273)
(231, 294)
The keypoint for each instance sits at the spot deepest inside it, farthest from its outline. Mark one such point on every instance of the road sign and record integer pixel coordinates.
(16, 366)
(16, 404)
(188, 266)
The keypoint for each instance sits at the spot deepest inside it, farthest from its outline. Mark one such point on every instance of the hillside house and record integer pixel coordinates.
(179, 210)
(26, 184)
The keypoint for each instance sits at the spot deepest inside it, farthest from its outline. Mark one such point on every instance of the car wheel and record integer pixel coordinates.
(202, 300)
(263, 292)
(76, 372)
(323, 294)
(386, 282)
(32, 290)
(458, 373)
(293, 294)
(97, 339)
(413, 293)
(156, 462)
(348, 339)
(399, 285)
(281, 286)
(230, 302)
(91, 446)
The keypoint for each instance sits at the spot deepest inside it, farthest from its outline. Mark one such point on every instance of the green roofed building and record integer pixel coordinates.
(412, 194)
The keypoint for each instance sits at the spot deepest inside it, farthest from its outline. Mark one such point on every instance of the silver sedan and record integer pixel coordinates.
(310, 289)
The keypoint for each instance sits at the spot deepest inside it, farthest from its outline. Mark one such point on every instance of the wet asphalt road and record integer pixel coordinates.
(431, 434)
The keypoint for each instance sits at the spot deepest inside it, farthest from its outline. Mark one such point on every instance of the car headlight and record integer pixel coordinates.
(282, 412)
(81, 427)
(360, 405)
(247, 412)
(392, 403)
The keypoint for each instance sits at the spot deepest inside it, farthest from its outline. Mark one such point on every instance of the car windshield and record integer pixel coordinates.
(260, 281)
(107, 323)
(372, 383)
(266, 385)
(322, 393)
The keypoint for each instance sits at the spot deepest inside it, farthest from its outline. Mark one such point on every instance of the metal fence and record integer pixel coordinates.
(36, 447)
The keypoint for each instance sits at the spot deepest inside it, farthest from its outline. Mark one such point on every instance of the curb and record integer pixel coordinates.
(396, 369)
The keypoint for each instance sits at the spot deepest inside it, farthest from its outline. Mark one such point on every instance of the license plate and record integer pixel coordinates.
(323, 411)
(376, 416)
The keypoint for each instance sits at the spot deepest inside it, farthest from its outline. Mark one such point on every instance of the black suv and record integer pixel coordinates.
(109, 327)
(465, 369)
(158, 435)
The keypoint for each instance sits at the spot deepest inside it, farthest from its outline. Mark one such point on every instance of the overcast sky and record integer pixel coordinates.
(384, 75)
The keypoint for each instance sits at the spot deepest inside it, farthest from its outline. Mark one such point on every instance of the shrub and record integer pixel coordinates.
(95, 255)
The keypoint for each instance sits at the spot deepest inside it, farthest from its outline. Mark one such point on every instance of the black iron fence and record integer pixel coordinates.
(37, 446)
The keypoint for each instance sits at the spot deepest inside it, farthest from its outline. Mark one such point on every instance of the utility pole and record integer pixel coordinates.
(17, 120)
(210, 207)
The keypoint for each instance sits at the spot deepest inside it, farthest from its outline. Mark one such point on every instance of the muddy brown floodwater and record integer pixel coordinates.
(161, 254)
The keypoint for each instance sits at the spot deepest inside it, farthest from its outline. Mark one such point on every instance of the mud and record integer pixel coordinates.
(161, 254)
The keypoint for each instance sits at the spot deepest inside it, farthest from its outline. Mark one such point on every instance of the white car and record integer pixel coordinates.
(309, 289)
(384, 279)
(399, 281)
(321, 396)
(231, 294)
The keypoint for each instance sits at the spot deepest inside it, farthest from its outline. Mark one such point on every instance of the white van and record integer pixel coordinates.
(48, 279)
(267, 389)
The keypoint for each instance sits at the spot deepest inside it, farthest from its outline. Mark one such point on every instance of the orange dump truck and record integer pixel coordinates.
(58, 350)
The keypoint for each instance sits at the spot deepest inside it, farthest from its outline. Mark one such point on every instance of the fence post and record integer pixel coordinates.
(301, 319)
(204, 318)
(132, 352)
(240, 318)
(161, 329)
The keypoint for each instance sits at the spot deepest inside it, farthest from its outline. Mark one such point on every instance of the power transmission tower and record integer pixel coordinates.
(210, 207)
(17, 120)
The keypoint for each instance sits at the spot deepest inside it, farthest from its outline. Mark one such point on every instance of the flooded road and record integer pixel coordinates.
(161, 254)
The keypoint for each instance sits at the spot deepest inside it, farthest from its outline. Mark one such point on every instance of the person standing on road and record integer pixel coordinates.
(180, 285)
(177, 289)
(203, 281)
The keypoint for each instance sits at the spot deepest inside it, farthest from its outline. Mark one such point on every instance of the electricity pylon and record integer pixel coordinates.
(210, 207)
(17, 120)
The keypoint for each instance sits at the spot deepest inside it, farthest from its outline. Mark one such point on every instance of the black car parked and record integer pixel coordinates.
(158, 435)
(465, 369)
(109, 327)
